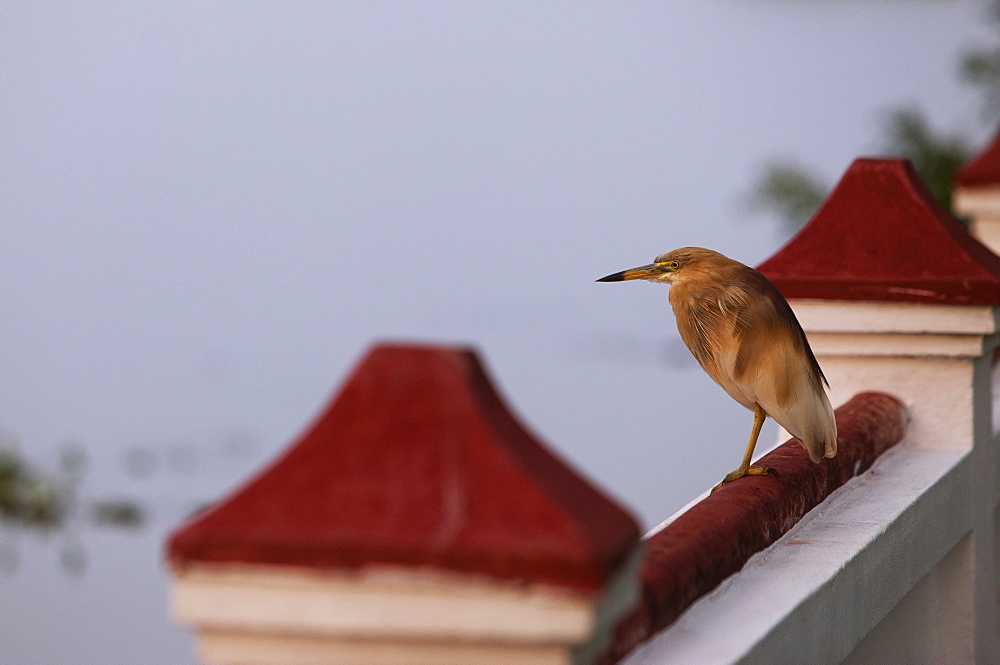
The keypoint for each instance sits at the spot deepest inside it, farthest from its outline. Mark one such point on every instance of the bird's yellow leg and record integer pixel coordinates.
(758, 421)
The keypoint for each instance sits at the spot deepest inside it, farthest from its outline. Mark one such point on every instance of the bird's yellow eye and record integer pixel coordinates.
(673, 265)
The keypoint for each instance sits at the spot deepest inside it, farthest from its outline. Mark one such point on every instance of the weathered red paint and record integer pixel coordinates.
(717, 536)
(881, 236)
(984, 170)
(418, 462)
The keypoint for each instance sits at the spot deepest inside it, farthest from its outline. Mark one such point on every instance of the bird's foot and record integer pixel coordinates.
(752, 471)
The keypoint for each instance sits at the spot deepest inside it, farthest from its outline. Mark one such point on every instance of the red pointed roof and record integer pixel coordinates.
(984, 170)
(881, 236)
(417, 462)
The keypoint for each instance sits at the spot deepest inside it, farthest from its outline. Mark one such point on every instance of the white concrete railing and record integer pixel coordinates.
(830, 590)
(899, 565)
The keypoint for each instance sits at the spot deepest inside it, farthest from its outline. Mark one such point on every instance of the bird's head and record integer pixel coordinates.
(674, 266)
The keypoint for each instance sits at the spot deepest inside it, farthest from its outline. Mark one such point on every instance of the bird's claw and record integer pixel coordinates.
(752, 471)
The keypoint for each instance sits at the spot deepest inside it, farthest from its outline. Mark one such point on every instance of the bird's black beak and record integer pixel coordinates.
(651, 271)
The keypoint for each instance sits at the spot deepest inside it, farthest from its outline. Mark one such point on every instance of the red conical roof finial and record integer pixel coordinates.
(984, 169)
(418, 463)
(881, 236)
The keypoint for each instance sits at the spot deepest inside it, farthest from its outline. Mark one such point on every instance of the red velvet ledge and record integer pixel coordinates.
(881, 236)
(418, 463)
(717, 536)
(984, 170)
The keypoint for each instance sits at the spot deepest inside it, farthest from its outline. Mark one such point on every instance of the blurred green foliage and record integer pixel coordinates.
(937, 157)
(980, 67)
(117, 513)
(26, 496)
(790, 191)
(36, 500)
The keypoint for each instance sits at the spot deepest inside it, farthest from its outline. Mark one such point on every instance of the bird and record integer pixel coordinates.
(743, 333)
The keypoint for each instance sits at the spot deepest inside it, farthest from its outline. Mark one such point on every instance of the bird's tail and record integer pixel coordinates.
(821, 439)
(811, 421)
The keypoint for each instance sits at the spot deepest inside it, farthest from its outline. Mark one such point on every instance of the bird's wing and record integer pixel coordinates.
(775, 363)
(761, 320)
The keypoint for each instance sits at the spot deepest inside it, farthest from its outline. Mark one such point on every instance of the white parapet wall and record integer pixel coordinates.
(902, 563)
(394, 616)
(821, 593)
(982, 206)
(936, 358)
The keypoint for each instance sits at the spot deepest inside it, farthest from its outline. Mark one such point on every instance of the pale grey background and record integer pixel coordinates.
(209, 211)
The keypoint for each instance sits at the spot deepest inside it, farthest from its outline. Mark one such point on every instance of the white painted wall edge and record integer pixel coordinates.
(221, 647)
(813, 595)
(894, 317)
(905, 345)
(380, 602)
(976, 201)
